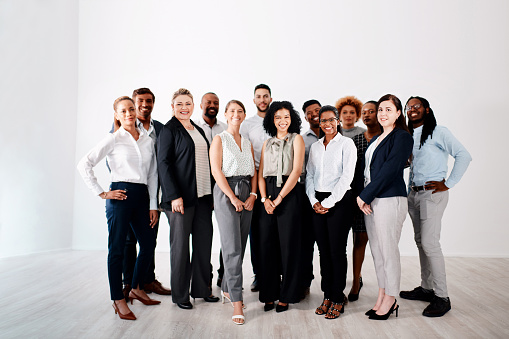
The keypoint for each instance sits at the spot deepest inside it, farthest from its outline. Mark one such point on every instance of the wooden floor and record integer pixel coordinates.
(65, 295)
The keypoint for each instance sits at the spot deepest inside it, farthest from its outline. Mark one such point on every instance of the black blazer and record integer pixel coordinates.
(176, 163)
(387, 164)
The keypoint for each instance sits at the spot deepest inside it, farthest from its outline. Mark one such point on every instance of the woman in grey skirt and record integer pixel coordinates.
(232, 165)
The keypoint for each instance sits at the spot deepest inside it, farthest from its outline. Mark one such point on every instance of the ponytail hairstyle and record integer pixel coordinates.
(116, 123)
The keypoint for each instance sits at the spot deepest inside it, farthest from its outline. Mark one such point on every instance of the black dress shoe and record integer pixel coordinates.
(385, 316)
(438, 307)
(370, 312)
(418, 293)
(211, 299)
(254, 285)
(185, 306)
(268, 307)
(281, 308)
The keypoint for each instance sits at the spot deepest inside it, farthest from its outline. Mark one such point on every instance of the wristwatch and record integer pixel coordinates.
(263, 199)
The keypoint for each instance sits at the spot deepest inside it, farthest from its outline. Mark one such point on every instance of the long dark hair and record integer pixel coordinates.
(400, 122)
(429, 124)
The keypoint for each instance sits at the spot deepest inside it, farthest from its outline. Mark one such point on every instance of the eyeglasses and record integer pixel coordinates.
(331, 120)
(416, 107)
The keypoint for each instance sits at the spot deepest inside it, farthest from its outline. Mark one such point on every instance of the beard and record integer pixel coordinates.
(262, 110)
(210, 113)
(417, 121)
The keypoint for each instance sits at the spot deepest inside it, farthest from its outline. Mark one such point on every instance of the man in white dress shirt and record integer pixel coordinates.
(212, 127)
(144, 101)
(252, 129)
(208, 120)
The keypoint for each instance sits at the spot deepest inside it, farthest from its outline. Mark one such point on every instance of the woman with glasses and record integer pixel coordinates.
(281, 163)
(330, 171)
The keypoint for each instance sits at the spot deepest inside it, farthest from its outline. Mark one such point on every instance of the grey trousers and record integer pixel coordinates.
(233, 229)
(426, 211)
(196, 221)
(384, 231)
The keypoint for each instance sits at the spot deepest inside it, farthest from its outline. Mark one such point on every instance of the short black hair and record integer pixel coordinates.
(143, 90)
(329, 108)
(309, 103)
(264, 87)
(268, 121)
(371, 102)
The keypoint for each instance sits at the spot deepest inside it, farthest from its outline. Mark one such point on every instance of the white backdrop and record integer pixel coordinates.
(454, 53)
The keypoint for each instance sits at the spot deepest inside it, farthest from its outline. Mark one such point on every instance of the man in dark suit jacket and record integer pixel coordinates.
(144, 101)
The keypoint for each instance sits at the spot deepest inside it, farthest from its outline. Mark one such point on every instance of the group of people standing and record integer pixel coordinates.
(263, 179)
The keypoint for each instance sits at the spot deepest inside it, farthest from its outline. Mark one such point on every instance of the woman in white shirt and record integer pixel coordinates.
(232, 165)
(131, 158)
(330, 171)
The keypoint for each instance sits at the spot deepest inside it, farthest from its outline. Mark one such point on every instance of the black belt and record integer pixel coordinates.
(418, 188)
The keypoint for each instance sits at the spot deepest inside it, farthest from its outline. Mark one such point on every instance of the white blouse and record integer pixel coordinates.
(236, 161)
(330, 169)
(368, 156)
(129, 160)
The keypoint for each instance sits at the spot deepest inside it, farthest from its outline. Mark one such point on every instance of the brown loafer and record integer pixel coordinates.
(156, 287)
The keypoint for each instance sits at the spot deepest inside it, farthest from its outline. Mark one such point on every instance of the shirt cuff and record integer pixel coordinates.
(329, 202)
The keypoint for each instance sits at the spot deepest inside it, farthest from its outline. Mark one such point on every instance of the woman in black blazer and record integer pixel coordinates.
(384, 201)
(186, 183)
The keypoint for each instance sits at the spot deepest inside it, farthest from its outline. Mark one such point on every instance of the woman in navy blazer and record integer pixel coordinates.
(384, 201)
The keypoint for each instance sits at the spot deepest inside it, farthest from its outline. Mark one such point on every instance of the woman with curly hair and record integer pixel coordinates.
(281, 163)
(349, 109)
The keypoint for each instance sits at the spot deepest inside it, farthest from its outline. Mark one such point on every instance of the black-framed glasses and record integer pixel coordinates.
(416, 107)
(331, 120)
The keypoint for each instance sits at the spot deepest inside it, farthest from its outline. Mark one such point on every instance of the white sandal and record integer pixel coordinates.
(223, 297)
(238, 316)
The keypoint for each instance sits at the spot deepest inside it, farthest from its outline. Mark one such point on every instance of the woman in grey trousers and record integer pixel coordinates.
(232, 165)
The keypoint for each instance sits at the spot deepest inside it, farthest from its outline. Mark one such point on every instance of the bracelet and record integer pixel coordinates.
(279, 195)
(104, 196)
(253, 193)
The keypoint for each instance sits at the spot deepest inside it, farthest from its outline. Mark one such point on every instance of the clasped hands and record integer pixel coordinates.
(319, 208)
(247, 205)
(270, 205)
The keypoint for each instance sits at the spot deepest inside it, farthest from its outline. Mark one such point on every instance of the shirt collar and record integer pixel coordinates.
(335, 139)
(310, 132)
(204, 123)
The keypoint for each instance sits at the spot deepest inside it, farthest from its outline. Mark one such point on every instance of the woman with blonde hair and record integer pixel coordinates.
(186, 183)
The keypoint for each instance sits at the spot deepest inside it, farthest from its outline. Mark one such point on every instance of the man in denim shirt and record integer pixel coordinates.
(428, 197)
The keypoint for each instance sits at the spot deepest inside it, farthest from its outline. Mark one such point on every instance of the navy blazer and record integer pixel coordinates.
(387, 164)
(176, 164)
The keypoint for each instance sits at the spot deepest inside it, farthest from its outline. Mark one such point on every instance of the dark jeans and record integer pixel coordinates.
(122, 215)
(331, 231)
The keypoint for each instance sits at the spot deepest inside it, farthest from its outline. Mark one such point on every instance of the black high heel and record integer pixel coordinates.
(386, 316)
(355, 296)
